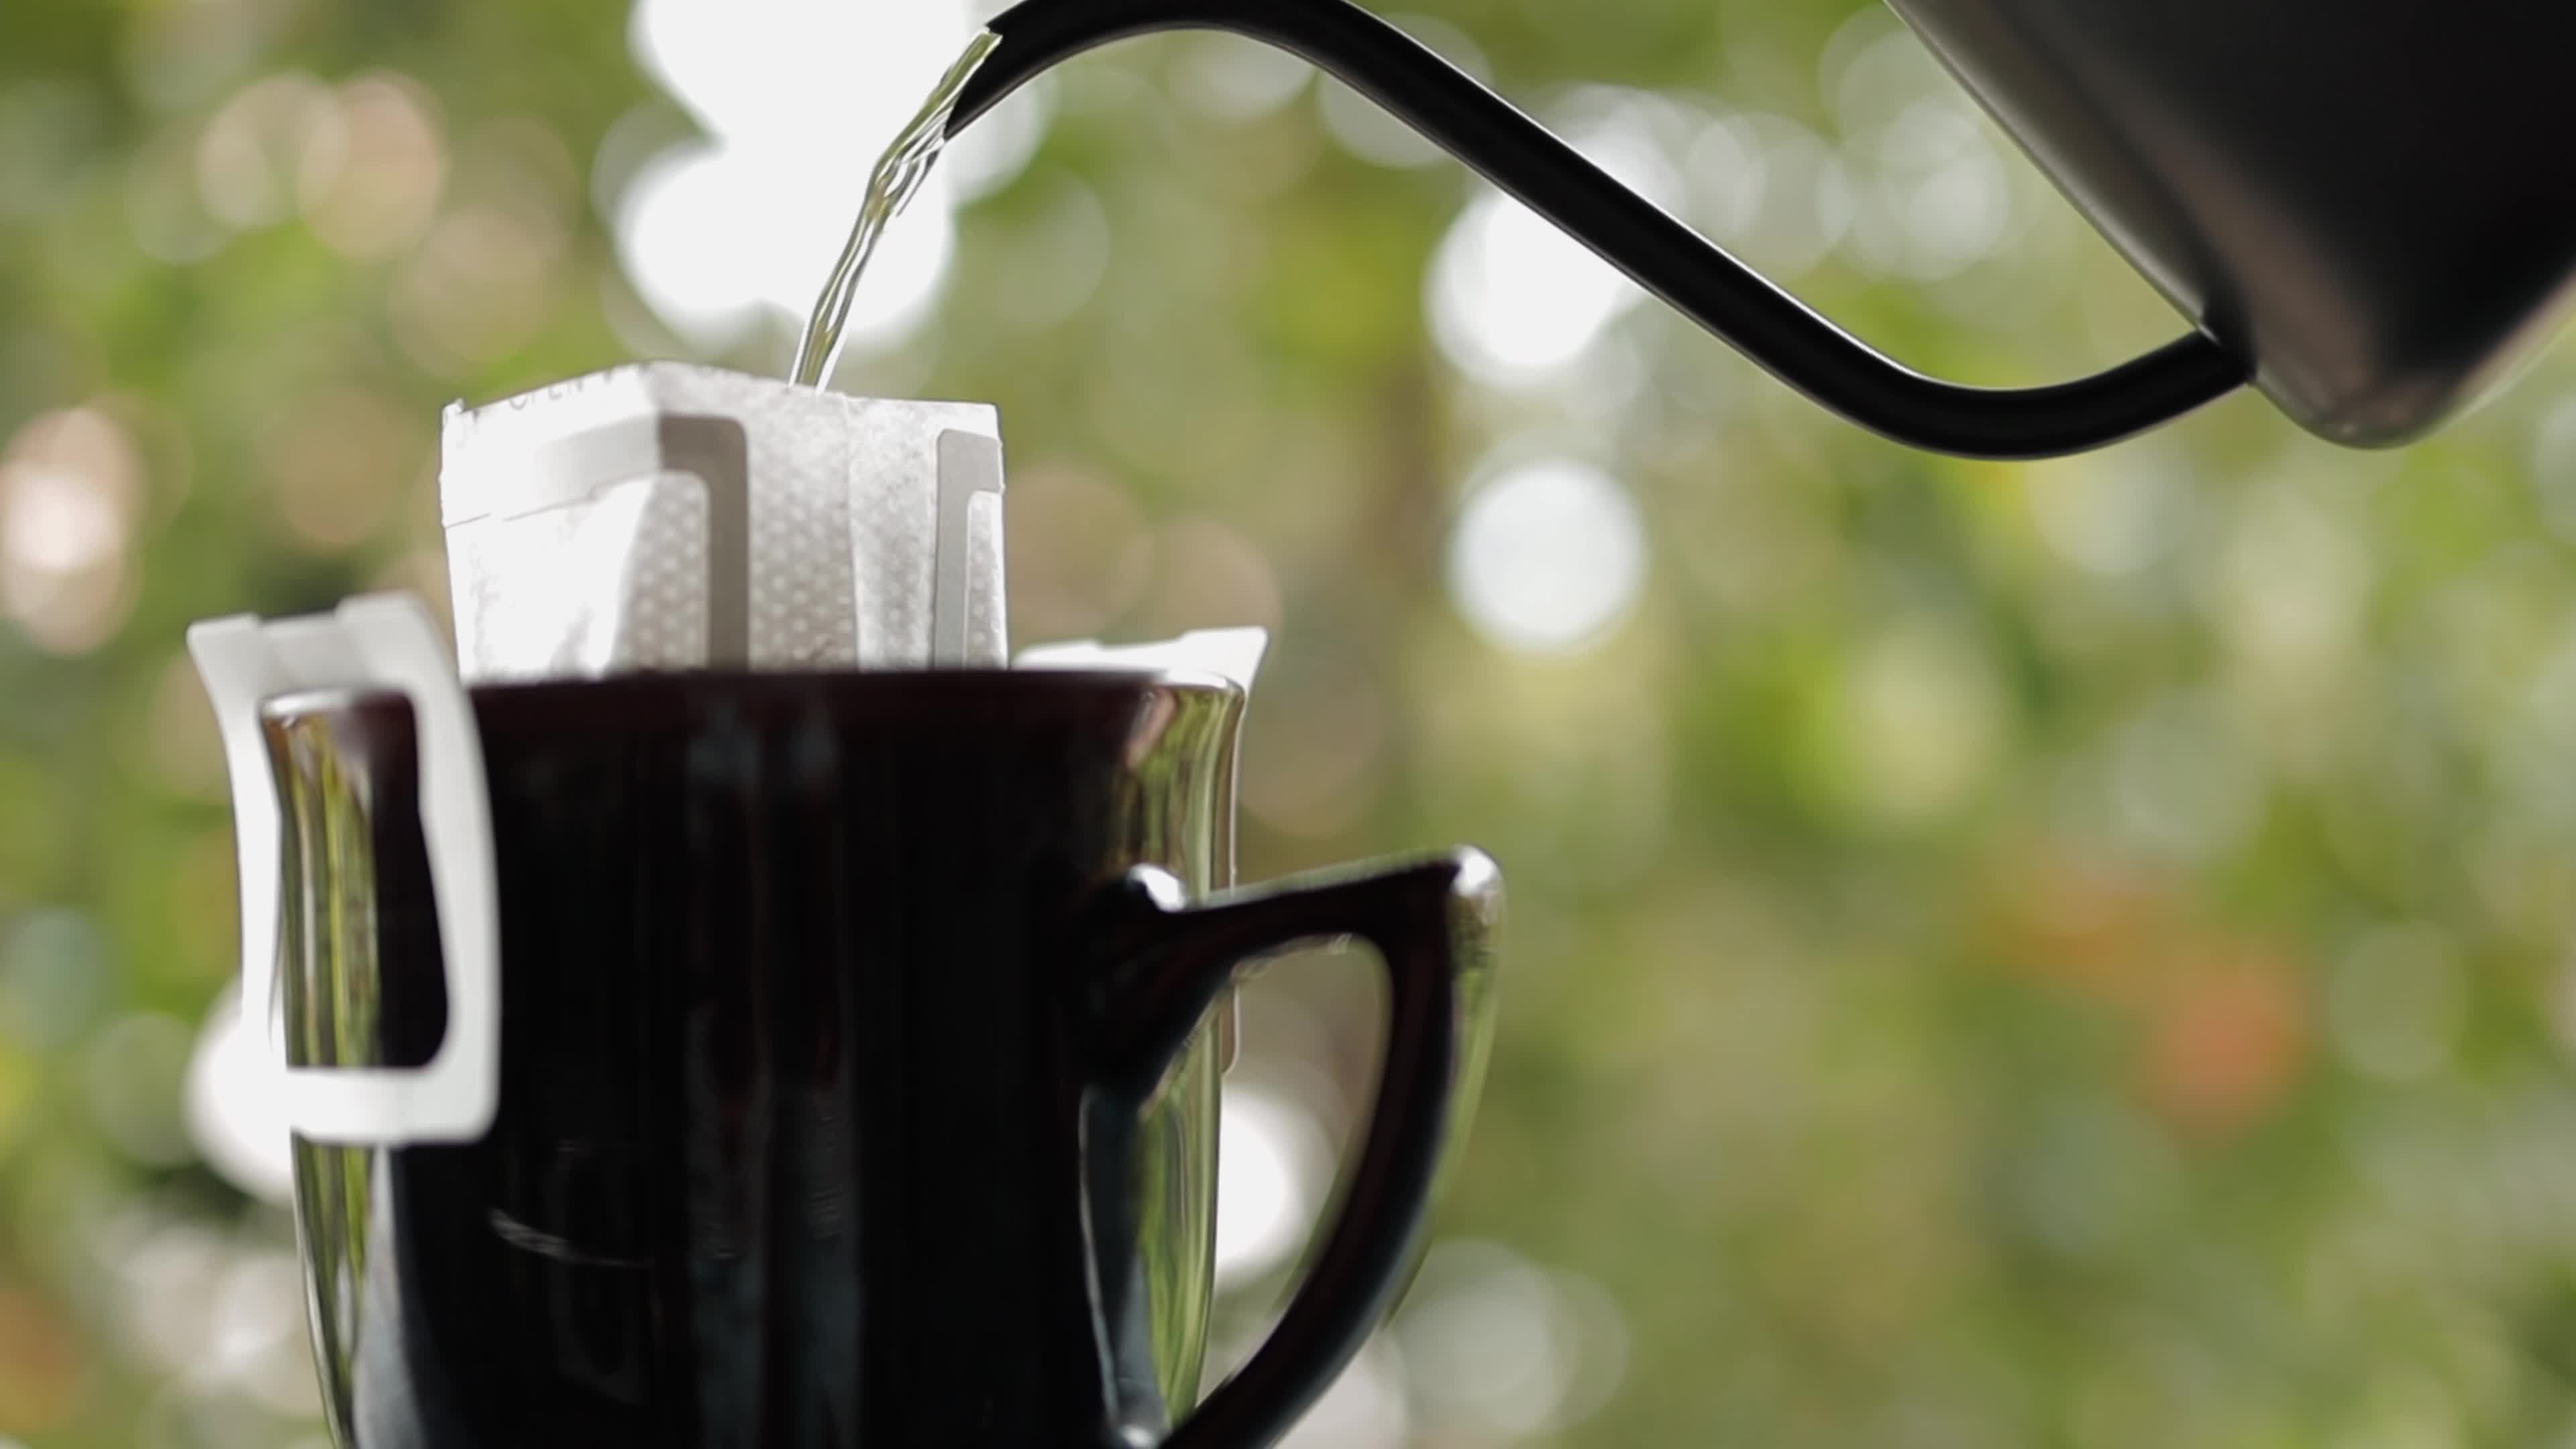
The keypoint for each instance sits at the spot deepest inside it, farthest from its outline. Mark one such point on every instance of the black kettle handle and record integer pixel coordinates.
(1777, 331)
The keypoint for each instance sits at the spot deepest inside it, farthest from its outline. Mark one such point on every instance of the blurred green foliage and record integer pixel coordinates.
(2070, 954)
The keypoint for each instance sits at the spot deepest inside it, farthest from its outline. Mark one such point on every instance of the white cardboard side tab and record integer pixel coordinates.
(1232, 653)
(384, 641)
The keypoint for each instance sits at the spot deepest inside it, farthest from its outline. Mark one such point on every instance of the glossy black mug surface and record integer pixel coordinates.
(855, 1085)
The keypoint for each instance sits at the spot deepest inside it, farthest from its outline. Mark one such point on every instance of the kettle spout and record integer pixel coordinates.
(1776, 331)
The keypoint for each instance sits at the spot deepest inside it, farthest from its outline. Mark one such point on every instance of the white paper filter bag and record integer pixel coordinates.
(670, 516)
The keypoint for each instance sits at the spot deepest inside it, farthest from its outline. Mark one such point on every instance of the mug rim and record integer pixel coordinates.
(651, 692)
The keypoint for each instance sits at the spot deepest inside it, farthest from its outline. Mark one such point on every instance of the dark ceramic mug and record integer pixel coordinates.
(849, 1068)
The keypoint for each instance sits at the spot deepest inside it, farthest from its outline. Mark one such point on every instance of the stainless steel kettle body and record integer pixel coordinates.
(2352, 201)
(2365, 199)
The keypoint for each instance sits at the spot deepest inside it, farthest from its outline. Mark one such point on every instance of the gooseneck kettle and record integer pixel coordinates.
(2360, 205)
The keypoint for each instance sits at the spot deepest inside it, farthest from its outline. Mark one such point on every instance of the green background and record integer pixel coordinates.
(2071, 954)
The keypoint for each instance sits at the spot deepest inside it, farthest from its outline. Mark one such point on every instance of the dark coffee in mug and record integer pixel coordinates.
(853, 1075)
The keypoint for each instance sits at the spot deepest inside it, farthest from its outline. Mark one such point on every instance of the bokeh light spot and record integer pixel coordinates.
(1513, 300)
(1547, 556)
(249, 153)
(1271, 1166)
(2112, 514)
(1931, 195)
(1498, 1347)
(70, 492)
(716, 232)
(1771, 190)
(1059, 259)
(1920, 720)
(370, 182)
(2287, 587)
(477, 288)
(236, 1103)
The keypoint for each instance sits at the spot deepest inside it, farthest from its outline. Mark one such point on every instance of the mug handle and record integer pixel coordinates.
(1432, 922)
(381, 641)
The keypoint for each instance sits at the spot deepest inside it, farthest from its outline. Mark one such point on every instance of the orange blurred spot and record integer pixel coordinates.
(2230, 1041)
(40, 1366)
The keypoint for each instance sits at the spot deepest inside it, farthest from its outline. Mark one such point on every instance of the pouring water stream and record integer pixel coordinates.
(895, 180)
